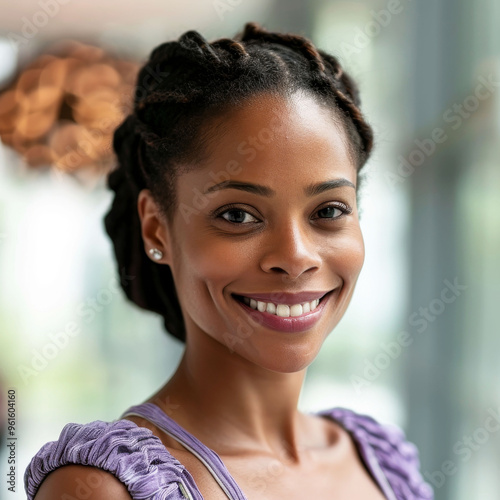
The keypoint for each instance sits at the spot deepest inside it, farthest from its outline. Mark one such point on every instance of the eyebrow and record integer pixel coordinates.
(311, 190)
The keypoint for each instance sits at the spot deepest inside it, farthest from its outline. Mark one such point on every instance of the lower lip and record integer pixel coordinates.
(290, 324)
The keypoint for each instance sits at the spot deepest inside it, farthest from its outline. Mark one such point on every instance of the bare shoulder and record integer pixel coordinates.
(82, 481)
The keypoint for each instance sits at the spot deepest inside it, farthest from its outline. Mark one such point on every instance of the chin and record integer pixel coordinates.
(281, 358)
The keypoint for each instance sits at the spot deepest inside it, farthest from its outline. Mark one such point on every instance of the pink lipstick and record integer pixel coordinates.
(286, 324)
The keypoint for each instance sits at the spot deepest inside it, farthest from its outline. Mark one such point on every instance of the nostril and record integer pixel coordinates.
(278, 269)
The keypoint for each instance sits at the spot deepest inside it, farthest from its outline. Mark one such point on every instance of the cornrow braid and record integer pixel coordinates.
(181, 97)
(153, 286)
(351, 101)
(347, 100)
(253, 31)
(233, 47)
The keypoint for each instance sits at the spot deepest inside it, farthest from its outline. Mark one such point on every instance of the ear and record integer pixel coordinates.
(155, 231)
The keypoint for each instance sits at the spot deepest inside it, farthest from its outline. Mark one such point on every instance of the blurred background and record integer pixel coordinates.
(419, 346)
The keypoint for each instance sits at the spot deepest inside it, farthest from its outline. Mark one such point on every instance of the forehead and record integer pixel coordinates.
(271, 139)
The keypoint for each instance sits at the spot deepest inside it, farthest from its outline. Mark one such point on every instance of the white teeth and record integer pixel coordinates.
(271, 308)
(282, 310)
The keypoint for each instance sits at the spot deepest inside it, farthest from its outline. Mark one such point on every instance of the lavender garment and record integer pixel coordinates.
(139, 459)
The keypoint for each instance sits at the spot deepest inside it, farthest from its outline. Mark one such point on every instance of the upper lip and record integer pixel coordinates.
(286, 297)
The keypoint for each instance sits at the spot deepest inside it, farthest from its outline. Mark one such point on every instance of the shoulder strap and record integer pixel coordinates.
(208, 457)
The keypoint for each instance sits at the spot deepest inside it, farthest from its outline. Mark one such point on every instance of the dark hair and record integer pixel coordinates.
(184, 87)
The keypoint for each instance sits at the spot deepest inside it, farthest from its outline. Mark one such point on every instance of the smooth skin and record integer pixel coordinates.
(244, 378)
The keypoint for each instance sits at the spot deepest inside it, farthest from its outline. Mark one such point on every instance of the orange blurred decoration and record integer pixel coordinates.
(61, 110)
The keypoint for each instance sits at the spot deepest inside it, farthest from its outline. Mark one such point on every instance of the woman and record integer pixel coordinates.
(236, 213)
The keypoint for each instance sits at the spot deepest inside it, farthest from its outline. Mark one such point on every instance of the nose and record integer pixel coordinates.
(290, 250)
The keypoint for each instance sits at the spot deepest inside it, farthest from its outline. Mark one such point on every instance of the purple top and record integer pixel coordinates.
(141, 462)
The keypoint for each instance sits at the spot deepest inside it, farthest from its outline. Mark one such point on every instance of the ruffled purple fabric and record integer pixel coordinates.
(133, 454)
(139, 459)
(385, 448)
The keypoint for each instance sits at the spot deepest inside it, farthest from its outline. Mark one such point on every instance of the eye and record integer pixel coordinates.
(329, 211)
(237, 216)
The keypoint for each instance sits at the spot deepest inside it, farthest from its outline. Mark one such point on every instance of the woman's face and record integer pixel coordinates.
(287, 223)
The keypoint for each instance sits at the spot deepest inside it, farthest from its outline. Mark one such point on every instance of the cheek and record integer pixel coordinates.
(207, 264)
(204, 269)
(346, 255)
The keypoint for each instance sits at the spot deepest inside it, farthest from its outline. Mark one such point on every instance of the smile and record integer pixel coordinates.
(283, 317)
(281, 310)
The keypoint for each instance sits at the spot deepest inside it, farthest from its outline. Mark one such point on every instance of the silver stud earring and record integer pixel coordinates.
(155, 253)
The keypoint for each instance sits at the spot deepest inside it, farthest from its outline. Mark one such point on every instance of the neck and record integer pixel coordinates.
(243, 406)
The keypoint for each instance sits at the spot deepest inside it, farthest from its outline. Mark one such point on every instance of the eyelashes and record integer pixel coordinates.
(342, 207)
(246, 217)
(240, 212)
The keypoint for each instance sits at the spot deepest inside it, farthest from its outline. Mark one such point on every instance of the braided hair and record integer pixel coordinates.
(184, 87)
